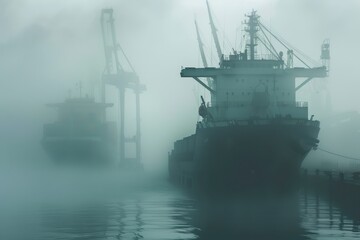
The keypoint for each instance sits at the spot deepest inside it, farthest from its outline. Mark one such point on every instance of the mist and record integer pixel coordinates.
(48, 47)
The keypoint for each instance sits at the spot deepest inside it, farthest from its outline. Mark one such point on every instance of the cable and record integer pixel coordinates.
(127, 59)
(276, 54)
(284, 45)
(339, 155)
(314, 62)
(268, 48)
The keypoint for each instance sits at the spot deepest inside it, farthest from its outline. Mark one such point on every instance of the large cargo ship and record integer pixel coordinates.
(253, 133)
(80, 133)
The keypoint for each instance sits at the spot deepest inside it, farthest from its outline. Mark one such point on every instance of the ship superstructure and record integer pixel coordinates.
(80, 132)
(253, 131)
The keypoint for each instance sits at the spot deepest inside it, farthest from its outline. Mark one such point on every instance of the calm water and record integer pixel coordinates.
(97, 207)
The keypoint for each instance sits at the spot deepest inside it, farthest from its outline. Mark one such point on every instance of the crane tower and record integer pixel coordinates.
(115, 74)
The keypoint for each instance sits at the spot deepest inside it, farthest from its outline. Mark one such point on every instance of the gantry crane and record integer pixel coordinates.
(114, 74)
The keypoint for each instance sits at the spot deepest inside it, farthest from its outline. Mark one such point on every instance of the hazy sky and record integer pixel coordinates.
(46, 46)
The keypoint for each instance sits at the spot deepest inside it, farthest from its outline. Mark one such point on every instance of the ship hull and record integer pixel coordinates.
(89, 151)
(80, 143)
(249, 157)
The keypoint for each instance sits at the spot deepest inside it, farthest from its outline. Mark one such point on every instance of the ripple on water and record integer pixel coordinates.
(165, 212)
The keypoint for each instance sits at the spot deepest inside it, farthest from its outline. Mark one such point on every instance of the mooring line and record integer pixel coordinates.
(337, 154)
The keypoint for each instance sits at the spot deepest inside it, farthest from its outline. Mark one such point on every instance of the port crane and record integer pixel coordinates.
(115, 74)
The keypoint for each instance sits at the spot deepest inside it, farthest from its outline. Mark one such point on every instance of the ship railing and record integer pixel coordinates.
(265, 57)
(238, 56)
(257, 122)
(228, 104)
(225, 104)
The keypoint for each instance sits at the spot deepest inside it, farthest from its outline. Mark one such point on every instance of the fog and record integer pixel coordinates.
(48, 47)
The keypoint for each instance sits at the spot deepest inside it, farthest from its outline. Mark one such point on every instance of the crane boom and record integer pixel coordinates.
(202, 53)
(201, 46)
(213, 31)
(110, 42)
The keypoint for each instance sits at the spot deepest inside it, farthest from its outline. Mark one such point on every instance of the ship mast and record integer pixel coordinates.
(252, 28)
(213, 31)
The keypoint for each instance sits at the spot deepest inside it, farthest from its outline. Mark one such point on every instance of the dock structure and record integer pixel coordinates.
(115, 74)
(340, 185)
(333, 176)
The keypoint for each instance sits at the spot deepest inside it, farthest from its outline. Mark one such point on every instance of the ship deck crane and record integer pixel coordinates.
(203, 57)
(116, 75)
(214, 33)
(201, 46)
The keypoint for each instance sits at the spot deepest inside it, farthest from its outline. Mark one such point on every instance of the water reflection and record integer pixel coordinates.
(169, 214)
(80, 222)
(248, 217)
(328, 217)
